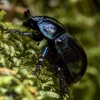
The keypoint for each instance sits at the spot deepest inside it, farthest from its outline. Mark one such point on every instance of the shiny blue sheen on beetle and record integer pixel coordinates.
(67, 57)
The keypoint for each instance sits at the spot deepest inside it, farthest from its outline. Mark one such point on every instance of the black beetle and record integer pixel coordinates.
(67, 58)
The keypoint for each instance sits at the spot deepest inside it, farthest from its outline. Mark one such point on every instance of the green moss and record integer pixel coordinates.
(18, 57)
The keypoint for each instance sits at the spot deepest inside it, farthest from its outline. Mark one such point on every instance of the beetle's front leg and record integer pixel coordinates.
(37, 36)
(41, 59)
(28, 34)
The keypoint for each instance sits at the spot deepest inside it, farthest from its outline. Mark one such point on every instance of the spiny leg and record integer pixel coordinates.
(63, 83)
(28, 34)
(41, 59)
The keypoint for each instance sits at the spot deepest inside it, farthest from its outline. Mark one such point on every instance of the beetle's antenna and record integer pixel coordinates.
(27, 13)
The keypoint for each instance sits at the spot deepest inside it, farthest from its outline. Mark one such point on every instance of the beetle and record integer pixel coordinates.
(67, 57)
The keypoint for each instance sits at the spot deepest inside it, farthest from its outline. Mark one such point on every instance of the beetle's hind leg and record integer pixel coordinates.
(63, 83)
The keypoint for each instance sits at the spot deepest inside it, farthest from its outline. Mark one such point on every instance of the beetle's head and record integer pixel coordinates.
(31, 22)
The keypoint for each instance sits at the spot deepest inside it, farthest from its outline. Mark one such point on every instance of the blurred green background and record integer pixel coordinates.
(82, 19)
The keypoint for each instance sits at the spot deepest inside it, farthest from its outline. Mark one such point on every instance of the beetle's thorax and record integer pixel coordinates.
(37, 18)
(50, 28)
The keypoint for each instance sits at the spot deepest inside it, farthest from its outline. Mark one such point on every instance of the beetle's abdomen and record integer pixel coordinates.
(73, 55)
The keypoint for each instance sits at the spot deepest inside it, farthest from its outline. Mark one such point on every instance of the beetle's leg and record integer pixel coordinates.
(41, 59)
(63, 87)
(11, 31)
(63, 83)
(37, 36)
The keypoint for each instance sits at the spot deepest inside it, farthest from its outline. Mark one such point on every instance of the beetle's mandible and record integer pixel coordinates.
(65, 54)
